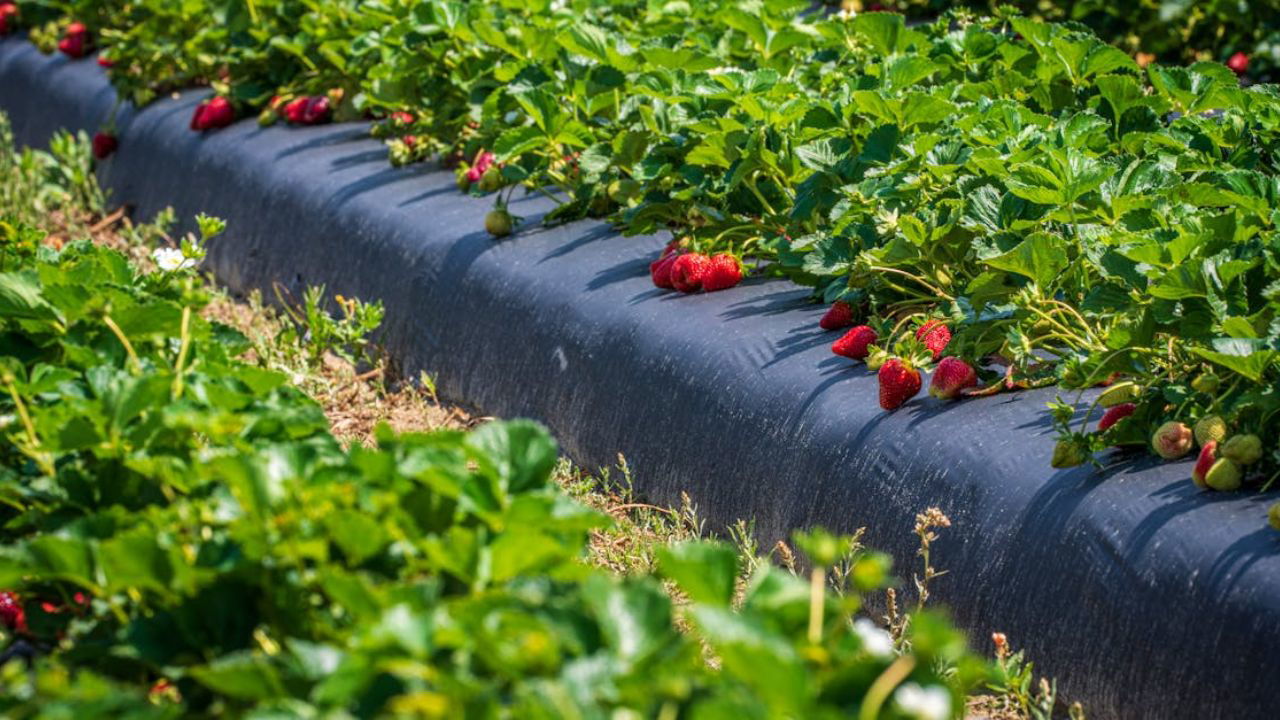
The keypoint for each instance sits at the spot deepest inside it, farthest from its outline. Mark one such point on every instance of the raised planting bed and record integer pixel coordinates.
(1144, 596)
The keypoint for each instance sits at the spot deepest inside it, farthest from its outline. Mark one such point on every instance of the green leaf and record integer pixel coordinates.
(517, 141)
(357, 534)
(521, 453)
(1248, 356)
(705, 571)
(634, 615)
(243, 675)
(20, 298)
(1040, 257)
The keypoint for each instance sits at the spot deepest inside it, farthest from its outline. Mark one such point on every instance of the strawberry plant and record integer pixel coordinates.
(1065, 213)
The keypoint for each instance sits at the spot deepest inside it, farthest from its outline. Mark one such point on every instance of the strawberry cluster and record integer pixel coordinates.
(899, 374)
(216, 112)
(484, 173)
(75, 42)
(308, 110)
(689, 272)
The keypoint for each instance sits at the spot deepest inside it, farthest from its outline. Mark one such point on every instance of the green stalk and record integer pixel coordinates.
(884, 686)
(817, 598)
(41, 459)
(128, 347)
(182, 352)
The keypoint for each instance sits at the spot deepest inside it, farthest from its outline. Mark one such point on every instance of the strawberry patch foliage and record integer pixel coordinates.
(1070, 215)
(182, 536)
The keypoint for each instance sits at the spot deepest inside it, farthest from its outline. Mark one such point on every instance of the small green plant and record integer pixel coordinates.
(319, 331)
(1015, 688)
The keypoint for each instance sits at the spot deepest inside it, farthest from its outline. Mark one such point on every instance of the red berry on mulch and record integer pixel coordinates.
(104, 144)
(723, 272)
(688, 271)
(899, 382)
(214, 113)
(8, 18)
(951, 377)
(75, 41)
(839, 315)
(854, 344)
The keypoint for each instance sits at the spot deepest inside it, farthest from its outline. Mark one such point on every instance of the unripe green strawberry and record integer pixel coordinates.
(1068, 453)
(491, 180)
(1172, 440)
(1273, 516)
(1122, 392)
(1211, 428)
(269, 116)
(1243, 449)
(499, 223)
(1224, 476)
(1206, 383)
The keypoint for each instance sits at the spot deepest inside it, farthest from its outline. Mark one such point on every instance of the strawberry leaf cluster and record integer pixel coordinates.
(1075, 214)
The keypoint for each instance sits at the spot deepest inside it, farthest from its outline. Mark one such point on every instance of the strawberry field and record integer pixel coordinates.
(1063, 215)
(1003, 211)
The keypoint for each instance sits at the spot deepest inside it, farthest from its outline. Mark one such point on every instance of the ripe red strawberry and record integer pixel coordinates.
(215, 112)
(854, 343)
(104, 143)
(723, 272)
(951, 376)
(295, 109)
(317, 110)
(688, 271)
(218, 113)
(935, 336)
(75, 42)
(660, 270)
(8, 18)
(12, 616)
(1238, 63)
(402, 117)
(899, 382)
(1115, 414)
(839, 315)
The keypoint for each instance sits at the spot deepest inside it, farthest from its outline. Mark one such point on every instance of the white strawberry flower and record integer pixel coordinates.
(875, 640)
(923, 703)
(171, 259)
